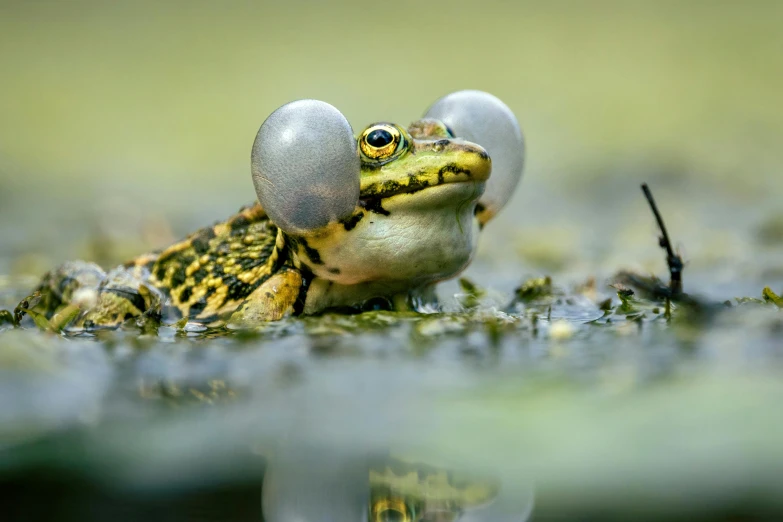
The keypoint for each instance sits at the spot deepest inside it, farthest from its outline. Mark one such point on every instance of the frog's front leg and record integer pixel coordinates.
(423, 300)
(271, 301)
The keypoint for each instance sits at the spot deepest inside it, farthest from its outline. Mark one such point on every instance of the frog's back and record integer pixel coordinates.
(213, 270)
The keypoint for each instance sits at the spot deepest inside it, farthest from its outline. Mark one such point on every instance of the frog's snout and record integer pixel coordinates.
(473, 158)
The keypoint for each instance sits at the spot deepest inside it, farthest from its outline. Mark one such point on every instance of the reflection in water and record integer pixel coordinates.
(402, 491)
(301, 487)
(308, 487)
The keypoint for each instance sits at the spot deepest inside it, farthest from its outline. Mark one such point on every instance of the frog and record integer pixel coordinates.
(342, 221)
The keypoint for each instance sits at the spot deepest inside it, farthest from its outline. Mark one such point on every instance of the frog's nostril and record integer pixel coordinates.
(439, 145)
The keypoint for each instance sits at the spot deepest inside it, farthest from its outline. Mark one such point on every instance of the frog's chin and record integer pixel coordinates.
(408, 240)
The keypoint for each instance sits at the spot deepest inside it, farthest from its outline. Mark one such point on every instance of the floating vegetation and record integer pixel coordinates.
(772, 297)
(534, 290)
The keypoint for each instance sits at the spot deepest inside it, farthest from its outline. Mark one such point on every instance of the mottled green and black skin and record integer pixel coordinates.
(214, 270)
(203, 277)
(415, 224)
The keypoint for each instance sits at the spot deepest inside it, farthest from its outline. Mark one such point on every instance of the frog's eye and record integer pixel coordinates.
(305, 166)
(485, 120)
(382, 142)
(390, 510)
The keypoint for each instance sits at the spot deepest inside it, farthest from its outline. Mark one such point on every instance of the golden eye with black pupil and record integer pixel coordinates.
(380, 142)
(391, 510)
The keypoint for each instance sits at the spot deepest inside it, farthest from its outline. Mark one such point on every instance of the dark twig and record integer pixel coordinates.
(672, 259)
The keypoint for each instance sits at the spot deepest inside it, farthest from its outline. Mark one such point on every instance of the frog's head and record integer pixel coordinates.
(393, 204)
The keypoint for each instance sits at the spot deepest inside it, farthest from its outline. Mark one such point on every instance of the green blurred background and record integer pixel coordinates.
(134, 120)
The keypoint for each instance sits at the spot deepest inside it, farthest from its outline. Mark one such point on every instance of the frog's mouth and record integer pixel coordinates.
(380, 186)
